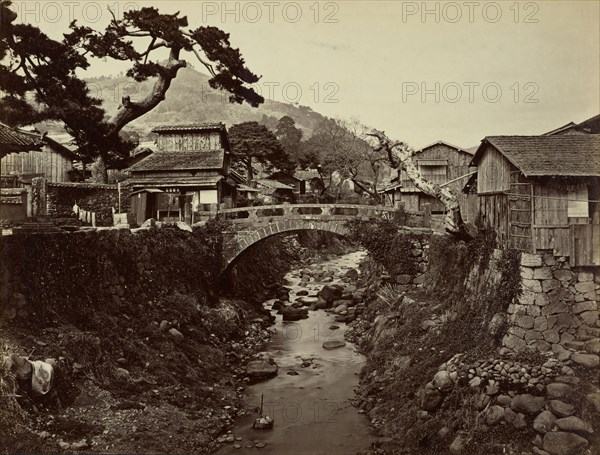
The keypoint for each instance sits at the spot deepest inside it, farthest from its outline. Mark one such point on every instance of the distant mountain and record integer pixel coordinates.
(190, 99)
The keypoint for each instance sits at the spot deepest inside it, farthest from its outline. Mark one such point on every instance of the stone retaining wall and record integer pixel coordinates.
(557, 310)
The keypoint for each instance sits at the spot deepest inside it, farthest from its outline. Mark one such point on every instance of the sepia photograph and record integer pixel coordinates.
(300, 227)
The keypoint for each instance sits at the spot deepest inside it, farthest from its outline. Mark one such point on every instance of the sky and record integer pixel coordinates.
(420, 71)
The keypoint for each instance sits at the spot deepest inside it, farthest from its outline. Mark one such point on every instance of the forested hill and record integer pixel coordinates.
(191, 100)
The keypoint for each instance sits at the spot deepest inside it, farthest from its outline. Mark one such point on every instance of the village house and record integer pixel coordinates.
(274, 192)
(189, 173)
(440, 163)
(589, 126)
(302, 181)
(540, 193)
(53, 160)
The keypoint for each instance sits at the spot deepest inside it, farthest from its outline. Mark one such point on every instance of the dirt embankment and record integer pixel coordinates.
(437, 379)
(150, 348)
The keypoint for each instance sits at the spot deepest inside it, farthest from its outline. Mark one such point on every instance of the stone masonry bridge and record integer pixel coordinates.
(253, 224)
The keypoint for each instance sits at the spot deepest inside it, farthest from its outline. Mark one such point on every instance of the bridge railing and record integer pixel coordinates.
(333, 212)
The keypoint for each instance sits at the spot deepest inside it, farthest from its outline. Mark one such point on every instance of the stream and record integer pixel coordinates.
(309, 398)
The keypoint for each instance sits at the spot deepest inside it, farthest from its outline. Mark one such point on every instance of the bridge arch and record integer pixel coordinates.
(237, 243)
(250, 225)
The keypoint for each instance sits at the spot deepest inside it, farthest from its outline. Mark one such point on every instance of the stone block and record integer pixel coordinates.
(585, 287)
(561, 294)
(517, 331)
(585, 306)
(533, 310)
(554, 308)
(540, 323)
(542, 273)
(521, 309)
(527, 298)
(563, 275)
(541, 345)
(541, 299)
(551, 336)
(531, 335)
(550, 285)
(531, 260)
(551, 321)
(532, 286)
(584, 277)
(565, 321)
(513, 342)
(589, 317)
(549, 260)
(527, 273)
(524, 321)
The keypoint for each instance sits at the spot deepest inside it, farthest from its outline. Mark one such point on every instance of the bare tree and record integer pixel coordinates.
(400, 156)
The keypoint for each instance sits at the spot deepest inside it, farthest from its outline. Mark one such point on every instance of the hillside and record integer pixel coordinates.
(190, 99)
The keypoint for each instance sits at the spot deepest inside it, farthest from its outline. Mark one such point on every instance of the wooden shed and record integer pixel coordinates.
(540, 193)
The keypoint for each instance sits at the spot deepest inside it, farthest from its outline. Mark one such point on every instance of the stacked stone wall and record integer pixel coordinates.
(557, 310)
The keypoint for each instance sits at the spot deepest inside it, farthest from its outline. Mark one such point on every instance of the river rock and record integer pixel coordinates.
(334, 344)
(261, 369)
(176, 334)
(574, 424)
(294, 314)
(458, 445)
(341, 308)
(544, 422)
(562, 443)
(302, 292)
(560, 408)
(278, 305)
(527, 404)
(495, 414)
(352, 274)
(442, 381)
(330, 293)
(306, 300)
(431, 398)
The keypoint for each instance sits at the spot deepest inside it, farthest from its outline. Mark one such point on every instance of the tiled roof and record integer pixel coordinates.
(12, 140)
(181, 160)
(214, 126)
(444, 143)
(273, 184)
(153, 182)
(570, 155)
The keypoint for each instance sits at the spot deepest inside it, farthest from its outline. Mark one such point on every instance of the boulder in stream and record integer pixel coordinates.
(330, 293)
(334, 344)
(261, 369)
(294, 314)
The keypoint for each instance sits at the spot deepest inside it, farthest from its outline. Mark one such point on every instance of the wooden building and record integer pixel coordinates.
(540, 193)
(51, 159)
(274, 192)
(188, 173)
(439, 163)
(302, 181)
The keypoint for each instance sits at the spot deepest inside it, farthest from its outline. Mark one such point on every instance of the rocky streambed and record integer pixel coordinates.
(307, 372)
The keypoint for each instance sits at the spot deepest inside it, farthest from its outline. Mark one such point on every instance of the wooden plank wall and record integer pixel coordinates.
(585, 241)
(493, 172)
(210, 140)
(47, 161)
(494, 209)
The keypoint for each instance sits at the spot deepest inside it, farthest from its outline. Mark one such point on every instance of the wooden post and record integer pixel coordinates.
(427, 215)
(93, 215)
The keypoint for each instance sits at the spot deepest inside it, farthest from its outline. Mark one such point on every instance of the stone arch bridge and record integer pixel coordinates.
(253, 224)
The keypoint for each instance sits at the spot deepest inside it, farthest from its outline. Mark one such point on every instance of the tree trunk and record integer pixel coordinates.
(371, 193)
(99, 170)
(249, 171)
(401, 157)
